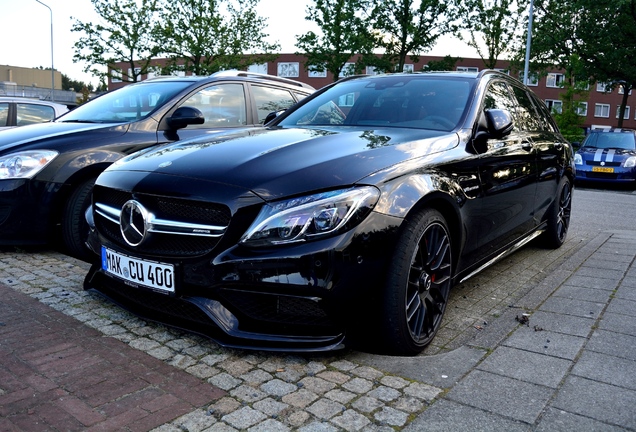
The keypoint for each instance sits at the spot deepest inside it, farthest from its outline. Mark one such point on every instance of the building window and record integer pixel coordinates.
(554, 105)
(409, 68)
(371, 70)
(601, 110)
(581, 109)
(317, 73)
(533, 79)
(621, 90)
(347, 70)
(153, 72)
(625, 115)
(258, 68)
(554, 80)
(288, 69)
(467, 69)
(115, 75)
(506, 71)
(603, 87)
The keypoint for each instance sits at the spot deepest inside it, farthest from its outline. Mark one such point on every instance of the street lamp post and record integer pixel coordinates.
(528, 43)
(52, 69)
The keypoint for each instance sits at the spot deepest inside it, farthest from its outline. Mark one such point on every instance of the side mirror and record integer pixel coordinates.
(499, 123)
(184, 116)
(271, 116)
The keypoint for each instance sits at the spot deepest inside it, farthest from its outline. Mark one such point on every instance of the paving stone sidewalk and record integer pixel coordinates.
(487, 371)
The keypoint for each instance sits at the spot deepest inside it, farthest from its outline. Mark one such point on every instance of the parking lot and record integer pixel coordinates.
(346, 390)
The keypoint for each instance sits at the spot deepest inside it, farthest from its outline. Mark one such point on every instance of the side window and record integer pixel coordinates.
(526, 112)
(269, 99)
(545, 118)
(222, 105)
(498, 97)
(4, 114)
(30, 113)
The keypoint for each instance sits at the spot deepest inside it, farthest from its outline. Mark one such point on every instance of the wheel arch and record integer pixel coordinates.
(432, 191)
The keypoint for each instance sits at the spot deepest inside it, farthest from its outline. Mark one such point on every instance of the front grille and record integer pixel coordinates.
(172, 209)
(601, 176)
(599, 163)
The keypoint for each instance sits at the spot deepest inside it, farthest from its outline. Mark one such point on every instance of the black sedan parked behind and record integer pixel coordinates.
(349, 218)
(47, 170)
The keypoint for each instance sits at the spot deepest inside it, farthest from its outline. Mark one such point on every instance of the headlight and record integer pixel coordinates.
(578, 160)
(25, 164)
(309, 217)
(630, 162)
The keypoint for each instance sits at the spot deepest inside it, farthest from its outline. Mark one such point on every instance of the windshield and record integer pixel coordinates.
(610, 140)
(126, 104)
(405, 101)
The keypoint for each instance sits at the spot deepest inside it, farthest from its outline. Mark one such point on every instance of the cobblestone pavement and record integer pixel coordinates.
(276, 392)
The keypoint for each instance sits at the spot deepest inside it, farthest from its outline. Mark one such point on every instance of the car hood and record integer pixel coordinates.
(17, 136)
(594, 152)
(277, 162)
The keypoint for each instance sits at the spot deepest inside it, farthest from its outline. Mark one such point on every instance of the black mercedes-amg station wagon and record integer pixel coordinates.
(347, 220)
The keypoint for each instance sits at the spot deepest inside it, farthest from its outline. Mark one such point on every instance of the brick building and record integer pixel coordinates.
(600, 109)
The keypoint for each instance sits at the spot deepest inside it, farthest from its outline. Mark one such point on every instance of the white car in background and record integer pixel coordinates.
(17, 111)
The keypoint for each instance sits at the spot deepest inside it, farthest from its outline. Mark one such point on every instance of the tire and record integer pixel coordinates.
(74, 226)
(558, 221)
(418, 284)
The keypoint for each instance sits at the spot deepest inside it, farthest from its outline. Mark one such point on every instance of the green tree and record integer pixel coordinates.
(607, 34)
(407, 28)
(491, 26)
(122, 36)
(344, 33)
(448, 63)
(205, 36)
(68, 84)
(591, 40)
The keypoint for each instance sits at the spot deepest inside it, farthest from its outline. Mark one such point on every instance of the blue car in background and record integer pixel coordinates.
(607, 156)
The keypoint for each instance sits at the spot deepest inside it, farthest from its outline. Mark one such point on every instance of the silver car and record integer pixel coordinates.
(17, 111)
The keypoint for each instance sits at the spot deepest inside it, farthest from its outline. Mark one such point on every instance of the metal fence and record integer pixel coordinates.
(60, 96)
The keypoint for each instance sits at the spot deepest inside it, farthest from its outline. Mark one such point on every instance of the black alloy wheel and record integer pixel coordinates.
(559, 215)
(419, 284)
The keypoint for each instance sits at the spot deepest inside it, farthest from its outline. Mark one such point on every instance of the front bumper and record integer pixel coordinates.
(25, 211)
(301, 298)
(619, 175)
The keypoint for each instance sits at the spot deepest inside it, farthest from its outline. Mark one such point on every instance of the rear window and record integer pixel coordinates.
(609, 140)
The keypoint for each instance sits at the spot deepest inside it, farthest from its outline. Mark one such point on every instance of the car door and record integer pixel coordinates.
(508, 176)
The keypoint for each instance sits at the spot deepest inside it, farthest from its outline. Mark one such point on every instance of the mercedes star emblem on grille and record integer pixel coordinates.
(133, 222)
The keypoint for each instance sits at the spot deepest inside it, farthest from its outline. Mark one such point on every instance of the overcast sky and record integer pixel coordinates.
(25, 30)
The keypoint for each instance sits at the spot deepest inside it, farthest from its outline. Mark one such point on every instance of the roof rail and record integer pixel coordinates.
(239, 73)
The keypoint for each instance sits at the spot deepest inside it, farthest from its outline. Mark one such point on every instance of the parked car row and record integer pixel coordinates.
(47, 170)
(345, 221)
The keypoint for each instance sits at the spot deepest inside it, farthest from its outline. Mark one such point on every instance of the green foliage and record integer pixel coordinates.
(122, 36)
(448, 63)
(202, 36)
(68, 84)
(492, 26)
(407, 28)
(345, 32)
(590, 39)
(205, 36)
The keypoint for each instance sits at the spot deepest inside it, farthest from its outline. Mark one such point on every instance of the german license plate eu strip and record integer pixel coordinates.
(151, 274)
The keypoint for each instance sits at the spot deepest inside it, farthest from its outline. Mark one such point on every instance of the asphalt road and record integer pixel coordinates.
(596, 209)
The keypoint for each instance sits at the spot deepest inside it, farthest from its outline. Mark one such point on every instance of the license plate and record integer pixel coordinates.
(142, 272)
(603, 169)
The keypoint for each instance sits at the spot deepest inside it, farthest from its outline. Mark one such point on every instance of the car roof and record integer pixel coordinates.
(236, 74)
(30, 100)
(613, 130)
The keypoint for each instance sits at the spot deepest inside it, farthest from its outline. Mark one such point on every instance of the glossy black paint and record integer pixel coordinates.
(492, 183)
(31, 209)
